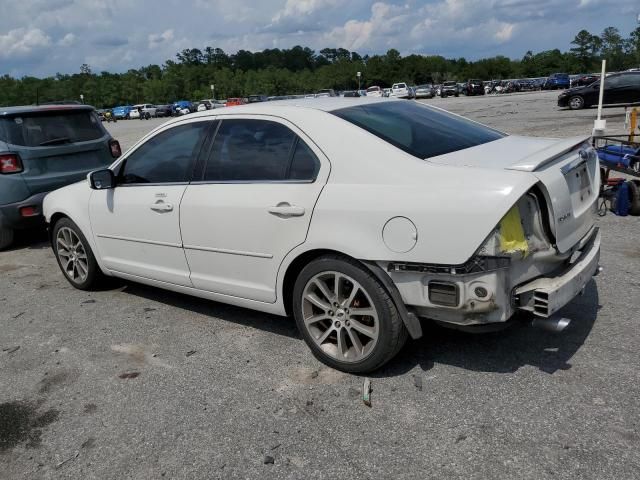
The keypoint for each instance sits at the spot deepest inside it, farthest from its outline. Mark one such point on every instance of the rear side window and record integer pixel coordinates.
(42, 129)
(165, 158)
(258, 150)
(418, 129)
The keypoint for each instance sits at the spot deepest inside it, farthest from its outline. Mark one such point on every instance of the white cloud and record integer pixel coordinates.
(156, 39)
(21, 42)
(295, 8)
(504, 33)
(41, 37)
(68, 40)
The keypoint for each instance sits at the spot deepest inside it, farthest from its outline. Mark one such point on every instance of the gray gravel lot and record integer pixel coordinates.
(213, 389)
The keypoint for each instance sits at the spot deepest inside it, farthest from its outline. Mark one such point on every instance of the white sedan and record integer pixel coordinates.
(358, 217)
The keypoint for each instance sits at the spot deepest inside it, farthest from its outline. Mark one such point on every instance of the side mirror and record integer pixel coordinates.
(102, 179)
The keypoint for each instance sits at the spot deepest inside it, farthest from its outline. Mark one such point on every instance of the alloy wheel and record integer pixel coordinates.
(72, 255)
(340, 316)
(576, 102)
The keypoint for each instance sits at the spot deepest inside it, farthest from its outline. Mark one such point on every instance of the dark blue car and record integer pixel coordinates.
(557, 81)
(43, 148)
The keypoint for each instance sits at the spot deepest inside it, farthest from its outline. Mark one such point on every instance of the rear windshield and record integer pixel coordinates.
(41, 129)
(418, 129)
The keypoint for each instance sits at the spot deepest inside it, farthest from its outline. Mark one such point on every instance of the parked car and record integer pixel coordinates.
(256, 98)
(42, 149)
(449, 88)
(400, 90)
(386, 92)
(557, 81)
(164, 110)
(121, 112)
(474, 87)
(183, 107)
(619, 88)
(232, 102)
(350, 93)
(143, 111)
(584, 80)
(326, 92)
(425, 91)
(518, 235)
(375, 91)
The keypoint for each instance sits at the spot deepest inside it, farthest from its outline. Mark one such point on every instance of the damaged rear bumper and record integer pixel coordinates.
(545, 296)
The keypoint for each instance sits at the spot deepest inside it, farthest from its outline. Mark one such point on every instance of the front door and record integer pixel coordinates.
(137, 224)
(252, 206)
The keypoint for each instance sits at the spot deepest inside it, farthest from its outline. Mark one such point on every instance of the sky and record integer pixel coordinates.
(43, 37)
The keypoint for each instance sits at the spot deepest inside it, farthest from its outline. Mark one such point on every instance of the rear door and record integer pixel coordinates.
(252, 206)
(613, 91)
(57, 147)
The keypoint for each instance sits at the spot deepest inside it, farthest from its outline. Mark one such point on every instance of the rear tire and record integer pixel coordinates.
(74, 255)
(346, 316)
(6, 238)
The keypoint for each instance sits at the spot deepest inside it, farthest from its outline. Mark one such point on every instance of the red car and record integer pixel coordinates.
(234, 101)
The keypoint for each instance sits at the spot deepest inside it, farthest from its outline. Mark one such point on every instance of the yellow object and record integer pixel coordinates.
(512, 238)
(633, 124)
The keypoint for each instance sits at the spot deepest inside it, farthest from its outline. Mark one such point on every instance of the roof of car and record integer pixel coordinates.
(4, 111)
(325, 104)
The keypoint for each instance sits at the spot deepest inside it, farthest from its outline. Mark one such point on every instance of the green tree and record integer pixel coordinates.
(584, 49)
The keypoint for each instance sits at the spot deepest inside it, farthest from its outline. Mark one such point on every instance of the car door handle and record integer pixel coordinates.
(287, 210)
(161, 207)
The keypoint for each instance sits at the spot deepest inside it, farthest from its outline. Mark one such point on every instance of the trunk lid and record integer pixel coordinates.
(567, 170)
(47, 169)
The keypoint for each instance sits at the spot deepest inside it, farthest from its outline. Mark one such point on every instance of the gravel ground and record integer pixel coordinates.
(133, 382)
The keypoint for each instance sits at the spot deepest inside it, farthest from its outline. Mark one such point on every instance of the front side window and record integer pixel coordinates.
(166, 158)
(258, 150)
(418, 129)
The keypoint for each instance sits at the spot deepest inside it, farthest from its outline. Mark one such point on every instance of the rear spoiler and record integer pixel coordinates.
(547, 154)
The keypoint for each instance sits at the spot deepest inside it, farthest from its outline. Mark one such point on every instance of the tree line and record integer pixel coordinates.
(302, 70)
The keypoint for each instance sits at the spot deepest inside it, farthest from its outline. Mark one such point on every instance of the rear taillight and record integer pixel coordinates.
(114, 146)
(29, 211)
(10, 163)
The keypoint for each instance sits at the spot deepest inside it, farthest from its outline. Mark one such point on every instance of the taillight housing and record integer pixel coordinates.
(10, 163)
(114, 146)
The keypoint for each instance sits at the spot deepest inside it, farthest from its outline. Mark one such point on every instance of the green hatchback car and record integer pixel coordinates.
(43, 148)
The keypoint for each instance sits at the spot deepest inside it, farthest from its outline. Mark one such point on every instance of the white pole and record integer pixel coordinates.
(599, 125)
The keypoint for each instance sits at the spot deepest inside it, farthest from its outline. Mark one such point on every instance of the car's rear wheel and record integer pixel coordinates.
(346, 316)
(74, 255)
(6, 237)
(576, 102)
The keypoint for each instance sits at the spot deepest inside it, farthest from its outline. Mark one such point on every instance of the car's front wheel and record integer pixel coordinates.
(346, 316)
(6, 237)
(74, 255)
(576, 102)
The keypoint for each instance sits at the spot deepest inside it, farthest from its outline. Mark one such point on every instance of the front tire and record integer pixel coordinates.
(6, 238)
(74, 256)
(576, 102)
(346, 316)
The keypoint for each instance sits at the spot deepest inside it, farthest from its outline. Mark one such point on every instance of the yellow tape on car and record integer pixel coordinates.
(512, 237)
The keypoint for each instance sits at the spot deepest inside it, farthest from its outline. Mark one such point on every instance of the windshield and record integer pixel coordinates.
(40, 129)
(418, 129)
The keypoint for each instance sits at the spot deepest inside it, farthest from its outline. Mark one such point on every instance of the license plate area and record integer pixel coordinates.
(580, 186)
